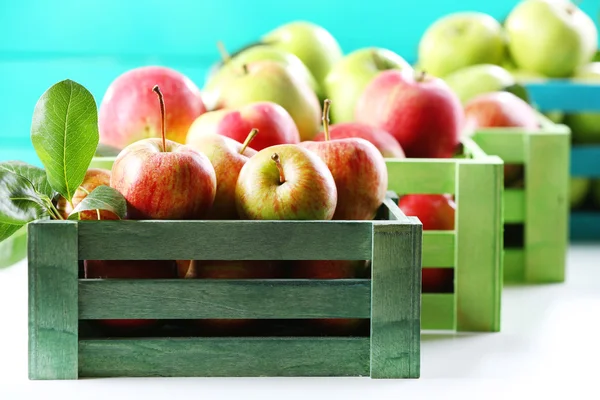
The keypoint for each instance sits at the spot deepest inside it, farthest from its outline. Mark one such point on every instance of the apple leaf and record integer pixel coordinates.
(14, 249)
(519, 91)
(20, 203)
(36, 176)
(7, 230)
(64, 132)
(102, 198)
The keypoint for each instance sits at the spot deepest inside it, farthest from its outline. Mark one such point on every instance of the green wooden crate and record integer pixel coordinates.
(542, 205)
(59, 301)
(473, 249)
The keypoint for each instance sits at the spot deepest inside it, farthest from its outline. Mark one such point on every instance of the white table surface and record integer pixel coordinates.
(549, 345)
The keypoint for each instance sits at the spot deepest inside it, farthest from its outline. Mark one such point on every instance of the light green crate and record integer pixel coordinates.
(473, 249)
(542, 206)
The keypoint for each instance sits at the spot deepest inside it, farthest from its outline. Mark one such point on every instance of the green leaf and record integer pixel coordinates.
(35, 175)
(14, 249)
(19, 201)
(102, 198)
(519, 91)
(7, 230)
(64, 132)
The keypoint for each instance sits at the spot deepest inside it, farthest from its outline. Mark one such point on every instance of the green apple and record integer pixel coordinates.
(268, 80)
(585, 126)
(471, 81)
(248, 55)
(523, 77)
(350, 76)
(580, 187)
(552, 37)
(459, 40)
(313, 45)
(286, 182)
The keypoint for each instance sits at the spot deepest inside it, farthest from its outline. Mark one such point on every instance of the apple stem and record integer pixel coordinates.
(161, 100)
(225, 56)
(379, 63)
(420, 76)
(275, 157)
(325, 118)
(245, 69)
(249, 138)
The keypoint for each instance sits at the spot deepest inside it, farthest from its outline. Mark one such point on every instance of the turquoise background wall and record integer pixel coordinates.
(92, 42)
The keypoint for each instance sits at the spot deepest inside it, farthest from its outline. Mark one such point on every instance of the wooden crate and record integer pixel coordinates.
(59, 301)
(473, 249)
(572, 97)
(541, 207)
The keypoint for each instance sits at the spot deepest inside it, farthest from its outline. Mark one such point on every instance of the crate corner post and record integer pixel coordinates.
(53, 297)
(396, 300)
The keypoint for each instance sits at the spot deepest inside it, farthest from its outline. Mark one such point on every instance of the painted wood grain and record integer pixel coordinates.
(53, 268)
(225, 240)
(222, 357)
(438, 311)
(514, 206)
(439, 249)
(478, 277)
(409, 176)
(396, 300)
(507, 143)
(514, 265)
(221, 298)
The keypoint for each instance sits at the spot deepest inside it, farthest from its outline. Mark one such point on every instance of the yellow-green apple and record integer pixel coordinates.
(271, 81)
(139, 269)
(227, 156)
(358, 169)
(386, 144)
(473, 80)
(232, 64)
(552, 37)
(350, 76)
(313, 45)
(128, 111)
(585, 126)
(162, 179)
(579, 189)
(436, 212)
(275, 124)
(286, 182)
(461, 39)
(94, 177)
(419, 110)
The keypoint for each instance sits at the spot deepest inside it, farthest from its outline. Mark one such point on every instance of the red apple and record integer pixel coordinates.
(128, 111)
(386, 144)
(95, 269)
(436, 212)
(274, 123)
(227, 157)
(164, 179)
(501, 110)
(94, 177)
(421, 112)
(359, 172)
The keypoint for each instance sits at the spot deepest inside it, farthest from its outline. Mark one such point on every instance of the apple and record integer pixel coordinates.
(227, 157)
(436, 212)
(473, 80)
(461, 39)
(552, 37)
(596, 192)
(421, 112)
(358, 169)
(270, 81)
(94, 177)
(128, 111)
(578, 192)
(164, 179)
(384, 142)
(350, 76)
(499, 109)
(231, 64)
(139, 269)
(275, 124)
(286, 182)
(313, 45)
(585, 126)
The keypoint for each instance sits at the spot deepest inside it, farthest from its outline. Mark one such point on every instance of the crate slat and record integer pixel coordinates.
(220, 298)
(585, 161)
(438, 249)
(413, 176)
(514, 260)
(494, 141)
(438, 310)
(585, 225)
(514, 206)
(224, 357)
(53, 268)
(225, 240)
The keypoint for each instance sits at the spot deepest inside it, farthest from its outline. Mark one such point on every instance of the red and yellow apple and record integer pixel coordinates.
(94, 177)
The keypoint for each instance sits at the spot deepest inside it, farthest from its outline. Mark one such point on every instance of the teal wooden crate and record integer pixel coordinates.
(541, 207)
(473, 249)
(59, 301)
